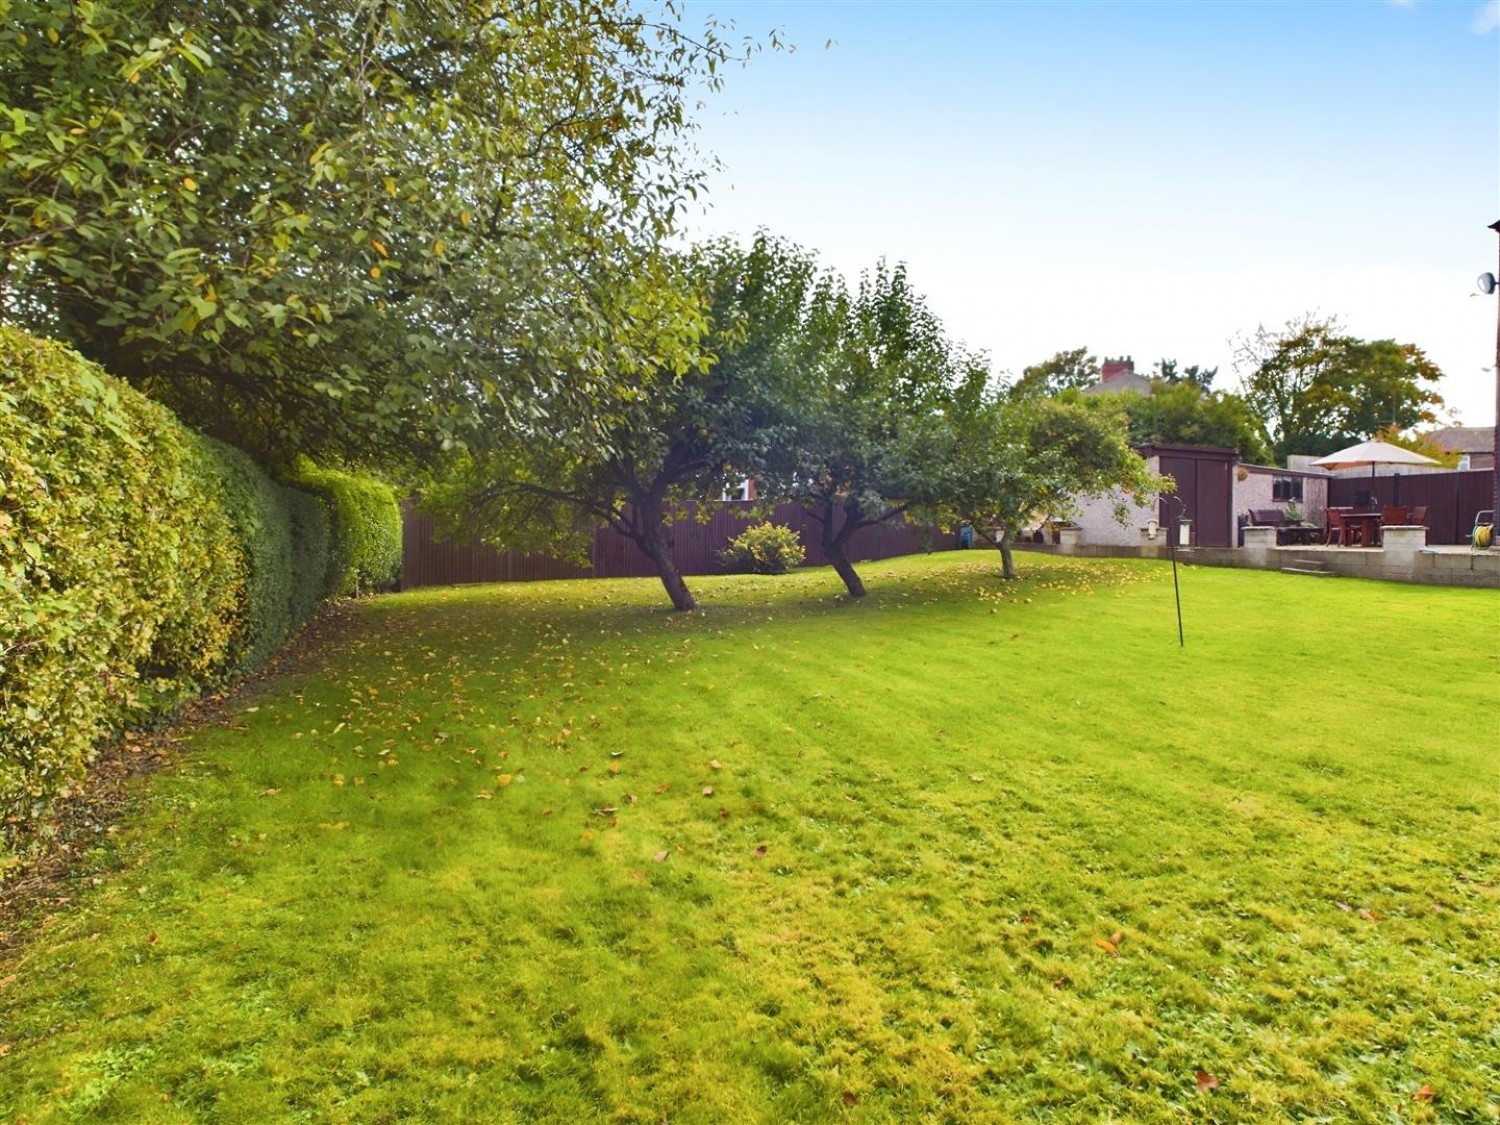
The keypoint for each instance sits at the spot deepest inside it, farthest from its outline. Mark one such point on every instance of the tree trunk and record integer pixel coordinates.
(653, 543)
(1007, 563)
(833, 547)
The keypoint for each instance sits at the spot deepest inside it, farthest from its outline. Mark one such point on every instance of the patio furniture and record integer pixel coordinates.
(1393, 514)
(1339, 533)
(1361, 528)
(1289, 532)
(1417, 516)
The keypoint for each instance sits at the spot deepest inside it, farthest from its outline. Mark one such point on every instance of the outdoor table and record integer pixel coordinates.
(1368, 524)
(1302, 534)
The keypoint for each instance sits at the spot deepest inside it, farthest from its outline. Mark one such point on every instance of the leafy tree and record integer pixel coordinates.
(336, 223)
(1168, 371)
(1065, 369)
(1015, 460)
(675, 436)
(1317, 389)
(1183, 413)
(863, 409)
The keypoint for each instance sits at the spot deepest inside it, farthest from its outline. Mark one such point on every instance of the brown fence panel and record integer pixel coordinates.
(1452, 499)
(429, 560)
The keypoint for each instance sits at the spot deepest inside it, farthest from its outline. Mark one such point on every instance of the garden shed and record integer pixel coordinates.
(1205, 486)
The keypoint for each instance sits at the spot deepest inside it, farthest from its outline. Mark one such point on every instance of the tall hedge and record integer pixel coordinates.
(121, 581)
(141, 563)
(257, 507)
(364, 529)
(310, 546)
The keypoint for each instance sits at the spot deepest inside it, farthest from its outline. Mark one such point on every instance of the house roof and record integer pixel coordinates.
(1113, 382)
(1465, 439)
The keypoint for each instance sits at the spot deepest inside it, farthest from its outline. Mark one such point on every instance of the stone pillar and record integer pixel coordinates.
(1068, 539)
(1402, 543)
(1258, 544)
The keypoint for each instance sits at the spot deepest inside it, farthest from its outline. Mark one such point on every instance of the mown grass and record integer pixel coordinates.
(547, 852)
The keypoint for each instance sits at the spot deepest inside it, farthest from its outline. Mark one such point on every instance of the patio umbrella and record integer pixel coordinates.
(1369, 454)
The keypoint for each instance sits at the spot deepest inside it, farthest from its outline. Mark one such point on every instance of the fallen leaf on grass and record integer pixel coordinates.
(1028, 919)
(503, 779)
(975, 777)
(1061, 983)
(714, 764)
(661, 857)
(6, 982)
(1117, 939)
(484, 795)
(614, 767)
(332, 827)
(1205, 1081)
(1426, 1095)
(1370, 915)
(637, 876)
(850, 1097)
(1345, 907)
(1108, 946)
(663, 787)
(630, 798)
(4, 1049)
(760, 852)
(708, 790)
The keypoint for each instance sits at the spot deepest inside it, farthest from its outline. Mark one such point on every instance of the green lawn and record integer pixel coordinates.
(547, 852)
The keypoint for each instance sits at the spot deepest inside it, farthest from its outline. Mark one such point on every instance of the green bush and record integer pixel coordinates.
(257, 508)
(120, 576)
(310, 551)
(364, 523)
(764, 548)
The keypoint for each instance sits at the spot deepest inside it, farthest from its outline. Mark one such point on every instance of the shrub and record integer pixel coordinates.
(764, 548)
(120, 577)
(310, 551)
(257, 508)
(364, 524)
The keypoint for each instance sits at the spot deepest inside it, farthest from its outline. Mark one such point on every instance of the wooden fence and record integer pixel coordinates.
(428, 559)
(1452, 499)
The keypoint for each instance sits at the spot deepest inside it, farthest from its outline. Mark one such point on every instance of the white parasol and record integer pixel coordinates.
(1369, 454)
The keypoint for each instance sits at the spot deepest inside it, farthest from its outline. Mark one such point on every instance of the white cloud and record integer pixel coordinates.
(1486, 18)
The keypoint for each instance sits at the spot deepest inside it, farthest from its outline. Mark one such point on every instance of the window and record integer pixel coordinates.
(739, 492)
(1286, 489)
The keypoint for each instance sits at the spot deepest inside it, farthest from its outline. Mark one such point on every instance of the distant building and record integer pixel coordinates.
(1475, 445)
(1116, 375)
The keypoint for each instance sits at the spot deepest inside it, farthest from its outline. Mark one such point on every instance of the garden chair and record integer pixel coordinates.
(1393, 514)
(1340, 534)
(1418, 515)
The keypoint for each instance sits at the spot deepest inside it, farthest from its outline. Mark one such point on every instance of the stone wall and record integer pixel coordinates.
(1404, 558)
(1096, 518)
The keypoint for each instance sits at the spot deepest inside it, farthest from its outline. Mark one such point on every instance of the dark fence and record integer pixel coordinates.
(1452, 499)
(428, 559)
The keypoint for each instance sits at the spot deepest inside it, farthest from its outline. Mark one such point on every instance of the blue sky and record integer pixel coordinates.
(1148, 179)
